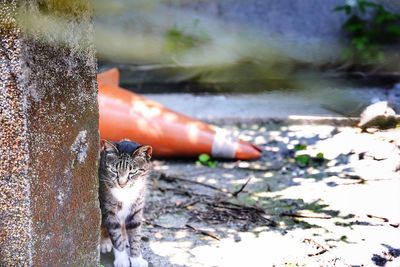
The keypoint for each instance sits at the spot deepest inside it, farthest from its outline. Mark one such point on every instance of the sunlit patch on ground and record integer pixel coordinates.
(320, 195)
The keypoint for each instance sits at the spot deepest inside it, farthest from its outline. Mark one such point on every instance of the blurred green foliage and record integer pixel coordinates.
(206, 160)
(178, 45)
(370, 27)
(181, 39)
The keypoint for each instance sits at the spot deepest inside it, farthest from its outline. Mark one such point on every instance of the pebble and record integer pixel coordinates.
(378, 115)
(237, 238)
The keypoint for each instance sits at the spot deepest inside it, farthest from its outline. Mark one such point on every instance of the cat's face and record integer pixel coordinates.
(123, 163)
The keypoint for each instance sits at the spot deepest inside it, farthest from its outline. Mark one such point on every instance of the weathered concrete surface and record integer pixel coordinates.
(282, 104)
(15, 223)
(49, 214)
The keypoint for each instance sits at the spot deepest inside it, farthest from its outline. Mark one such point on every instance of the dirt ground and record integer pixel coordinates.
(320, 196)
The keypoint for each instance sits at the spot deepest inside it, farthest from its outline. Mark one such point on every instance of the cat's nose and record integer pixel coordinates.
(122, 184)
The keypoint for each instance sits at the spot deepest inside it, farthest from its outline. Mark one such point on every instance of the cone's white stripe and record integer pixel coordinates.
(224, 144)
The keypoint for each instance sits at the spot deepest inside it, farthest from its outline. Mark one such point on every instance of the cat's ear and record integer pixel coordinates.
(108, 146)
(143, 151)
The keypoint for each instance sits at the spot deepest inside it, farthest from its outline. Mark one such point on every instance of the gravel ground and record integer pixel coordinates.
(319, 196)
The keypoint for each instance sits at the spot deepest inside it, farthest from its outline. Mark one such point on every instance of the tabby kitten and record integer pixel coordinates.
(123, 170)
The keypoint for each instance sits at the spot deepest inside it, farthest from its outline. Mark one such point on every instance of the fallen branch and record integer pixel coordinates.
(206, 233)
(385, 220)
(296, 215)
(176, 190)
(226, 209)
(188, 204)
(318, 253)
(220, 210)
(230, 205)
(236, 193)
(360, 181)
(377, 217)
(268, 169)
(164, 227)
(317, 245)
(169, 178)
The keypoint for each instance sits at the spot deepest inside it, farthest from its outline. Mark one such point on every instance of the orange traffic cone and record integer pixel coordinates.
(124, 114)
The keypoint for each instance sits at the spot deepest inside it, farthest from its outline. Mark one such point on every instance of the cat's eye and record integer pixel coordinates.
(114, 172)
(132, 173)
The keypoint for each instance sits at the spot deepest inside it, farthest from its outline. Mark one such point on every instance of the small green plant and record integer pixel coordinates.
(206, 160)
(181, 39)
(370, 27)
(320, 156)
(299, 147)
(304, 160)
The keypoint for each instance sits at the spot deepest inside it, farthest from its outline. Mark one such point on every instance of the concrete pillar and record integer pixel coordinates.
(49, 212)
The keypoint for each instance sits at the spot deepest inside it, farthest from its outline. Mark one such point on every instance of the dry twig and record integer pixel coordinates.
(203, 232)
(169, 178)
(297, 215)
(318, 246)
(236, 193)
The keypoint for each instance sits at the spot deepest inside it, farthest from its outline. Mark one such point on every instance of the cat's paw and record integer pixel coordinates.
(105, 245)
(138, 262)
(121, 259)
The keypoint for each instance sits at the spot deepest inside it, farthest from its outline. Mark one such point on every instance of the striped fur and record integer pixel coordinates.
(123, 171)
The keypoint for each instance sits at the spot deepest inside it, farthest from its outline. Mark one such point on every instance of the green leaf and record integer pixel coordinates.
(320, 155)
(354, 24)
(303, 160)
(382, 16)
(299, 147)
(359, 43)
(212, 164)
(369, 31)
(204, 158)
